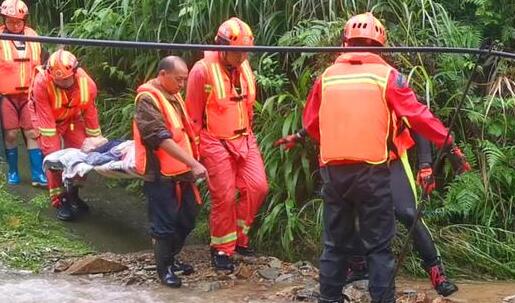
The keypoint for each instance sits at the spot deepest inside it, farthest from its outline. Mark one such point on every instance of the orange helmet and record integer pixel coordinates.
(62, 65)
(14, 9)
(365, 26)
(234, 32)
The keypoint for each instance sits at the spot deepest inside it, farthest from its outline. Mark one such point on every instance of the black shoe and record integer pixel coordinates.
(78, 205)
(170, 279)
(358, 270)
(64, 210)
(181, 268)
(221, 261)
(343, 299)
(245, 251)
(441, 283)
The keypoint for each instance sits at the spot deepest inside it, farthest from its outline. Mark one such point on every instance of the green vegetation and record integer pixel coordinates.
(26, 239)
(472, 216)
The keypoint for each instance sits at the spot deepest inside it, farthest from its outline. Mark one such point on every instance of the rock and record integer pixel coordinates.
(510, 299)
(275, 263)
(94, 265)
(210, 286)
(61, 265)
(285, 278)
(94, 276)
(244, 272)
(445, 300)
(269, 273)
(150, 267)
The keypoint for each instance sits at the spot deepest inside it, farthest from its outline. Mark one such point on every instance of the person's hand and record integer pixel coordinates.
(288, 142)
(426, 179)
(198, 171)
(458, 161)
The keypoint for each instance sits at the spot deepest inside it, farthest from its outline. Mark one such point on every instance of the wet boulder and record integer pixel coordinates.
(94, 265)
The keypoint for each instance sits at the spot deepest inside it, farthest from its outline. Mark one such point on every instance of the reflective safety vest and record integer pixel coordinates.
(227, 110)
(355, 121)
(169, 166)
(17, 71)
(68, 104)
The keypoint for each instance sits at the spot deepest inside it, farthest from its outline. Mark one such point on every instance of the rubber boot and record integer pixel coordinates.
(221, 261)
(342, 299)
(78, 205)
(441, 283)
(179, 267)
(358, 269)
(36, 167)
(164, 259)
(64, 209)
(13, 176)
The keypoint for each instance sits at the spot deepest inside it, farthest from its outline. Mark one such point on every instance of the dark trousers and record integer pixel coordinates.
(357, 201)
(405, 205)
(170, 219)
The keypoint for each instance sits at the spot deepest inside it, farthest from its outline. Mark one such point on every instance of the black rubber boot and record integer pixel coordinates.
(179, 267)
(78, 205)
(342, 299)
(441, 283)
(245, 251)
(64, 211)
(358, 269)
(221, 261)
(164, 259)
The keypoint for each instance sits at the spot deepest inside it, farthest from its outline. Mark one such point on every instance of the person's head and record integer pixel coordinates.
(61, 67)
(237, 33)
(14, 13)
(172, 74)
(364, 30)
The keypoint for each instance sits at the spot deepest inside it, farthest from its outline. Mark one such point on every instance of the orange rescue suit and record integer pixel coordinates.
(355, 121)
(17, 69)
(180, 130)
(226, 109)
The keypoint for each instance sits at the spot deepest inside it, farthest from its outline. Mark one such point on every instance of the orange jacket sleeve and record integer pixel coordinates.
(196, 97)
(403, 101)
(43, 116)
(310, 119)
(90, 113)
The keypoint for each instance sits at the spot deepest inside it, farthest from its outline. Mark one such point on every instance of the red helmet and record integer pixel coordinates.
(14, 9)
(234, 32)
(62, 65)
(365, 26)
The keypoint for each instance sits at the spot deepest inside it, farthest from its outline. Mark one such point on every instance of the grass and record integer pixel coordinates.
(27, 240)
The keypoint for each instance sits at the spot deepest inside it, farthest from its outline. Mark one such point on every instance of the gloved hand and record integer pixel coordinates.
(425, 178)
(288, 142)
(458, 161)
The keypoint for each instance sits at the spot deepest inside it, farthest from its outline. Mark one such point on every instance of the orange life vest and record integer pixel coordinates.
(178, 127)
(17, 71)
(67, 104)
(227, 111)
(355, 121)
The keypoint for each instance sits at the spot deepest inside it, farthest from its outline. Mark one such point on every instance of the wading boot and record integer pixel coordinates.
(441, 283)
(13, 177)
(79, 206)
(164, 259)
(36, 167)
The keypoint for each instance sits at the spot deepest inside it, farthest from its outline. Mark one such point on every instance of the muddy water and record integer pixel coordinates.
(16, 287)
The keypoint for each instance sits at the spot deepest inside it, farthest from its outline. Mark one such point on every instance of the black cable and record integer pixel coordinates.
(271, 49)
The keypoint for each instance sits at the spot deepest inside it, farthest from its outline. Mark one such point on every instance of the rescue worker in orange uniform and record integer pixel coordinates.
(220, 97)
(167, 160)
(63, 108)
(18, 61)
(352, 111)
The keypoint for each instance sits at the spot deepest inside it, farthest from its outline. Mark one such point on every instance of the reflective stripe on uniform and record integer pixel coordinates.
(84, 91)
(353, 79)
(225, 239)
(94, 132)
(55, 191)
(47, 132)
(245, 227)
